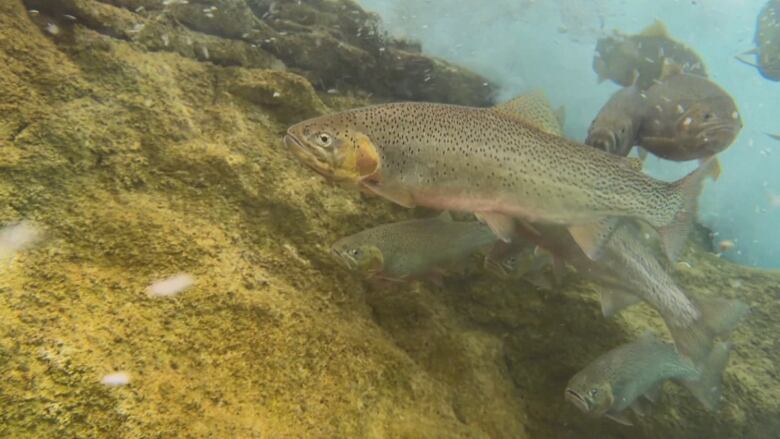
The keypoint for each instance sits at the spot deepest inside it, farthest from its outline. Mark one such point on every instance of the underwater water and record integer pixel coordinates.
(389, 219)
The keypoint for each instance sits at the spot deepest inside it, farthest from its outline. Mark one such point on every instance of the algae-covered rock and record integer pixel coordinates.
(138, 162)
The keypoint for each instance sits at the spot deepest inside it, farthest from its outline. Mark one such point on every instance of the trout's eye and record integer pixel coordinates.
(707, 116)
(593, 393)
(323, 139)
(354, 252)
(510, 261)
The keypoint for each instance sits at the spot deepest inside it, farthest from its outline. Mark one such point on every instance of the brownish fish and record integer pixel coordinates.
(615, 128)
(688, 117)
(638, 59)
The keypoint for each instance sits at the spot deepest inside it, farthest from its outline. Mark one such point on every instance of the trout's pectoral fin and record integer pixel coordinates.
(613, 301)
(620, 418)
(397, 196)
(592, 237)
(502, 225)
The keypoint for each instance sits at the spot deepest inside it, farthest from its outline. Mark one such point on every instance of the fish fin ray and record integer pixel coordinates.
(620, 418)
(707, 389)
(503, 226)
(400, 197)
(657, 29)
(592, 237)
(614, 301)
(674, 235)
(718, 317)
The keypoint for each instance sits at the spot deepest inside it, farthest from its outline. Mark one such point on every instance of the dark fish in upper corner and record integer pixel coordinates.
(615, 128)
(412, 249)
(767, 40)
(619, 379)
(774, 136)
(492, 162)
(638, 59)
(688, 117)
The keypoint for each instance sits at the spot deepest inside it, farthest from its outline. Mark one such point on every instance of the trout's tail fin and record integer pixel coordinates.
(717, 318)
(707, 388)
(675, 234)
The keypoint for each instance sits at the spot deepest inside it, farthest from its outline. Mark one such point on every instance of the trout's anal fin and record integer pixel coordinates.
(620, 418)
(614, 301)
(400, 197)
(592, 237)
(502, 225)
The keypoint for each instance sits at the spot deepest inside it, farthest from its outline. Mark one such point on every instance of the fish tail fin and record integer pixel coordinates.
(675, 234)
(707, 389)
(718, 317)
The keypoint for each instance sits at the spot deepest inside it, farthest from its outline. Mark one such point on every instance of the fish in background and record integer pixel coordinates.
(774, 136)
(520, 260)
(491, 162)
(688, 117)
(638, 59)
(412, 249)
(623, 377)
(616, 127)
(767, 40)
(682, 117)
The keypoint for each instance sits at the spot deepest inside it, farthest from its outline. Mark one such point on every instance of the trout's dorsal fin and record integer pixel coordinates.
(669, 69)
(657, 29)
(533, 108)
(445, 215)
(560, 115)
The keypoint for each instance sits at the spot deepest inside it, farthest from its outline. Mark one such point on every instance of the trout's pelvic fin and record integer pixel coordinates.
(400, 197)
(674, 235)
(620, 418)
(592, 237)
(503, 226)
(613, 301)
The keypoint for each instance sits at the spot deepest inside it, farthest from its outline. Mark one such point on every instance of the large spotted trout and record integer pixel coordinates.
(492, 162)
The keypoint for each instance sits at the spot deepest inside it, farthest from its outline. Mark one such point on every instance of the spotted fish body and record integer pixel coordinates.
(618, 379)
(486, 161)
(767, 41)
(412, 249)
(688, 117)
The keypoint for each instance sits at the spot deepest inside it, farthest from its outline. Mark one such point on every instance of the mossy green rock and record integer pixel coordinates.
(139, 163)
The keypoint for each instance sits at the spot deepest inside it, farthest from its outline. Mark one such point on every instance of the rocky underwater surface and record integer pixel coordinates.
(145, 140)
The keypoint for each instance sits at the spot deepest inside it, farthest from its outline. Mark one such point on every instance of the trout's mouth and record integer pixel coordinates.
(720, 134)
(577, 399)
(344, 258)
(603, 140)
(314, 158)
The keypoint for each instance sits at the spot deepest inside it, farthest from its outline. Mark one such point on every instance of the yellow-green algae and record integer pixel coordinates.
(141, 163)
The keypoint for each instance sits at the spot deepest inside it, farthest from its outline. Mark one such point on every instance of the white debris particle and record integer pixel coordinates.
(205, 52)
(687, 121)
(33, 12)
(17, 237)
(332, 91)
(53, 29)
(138, 27)
(166, 41)
(171, 286)
(69, 17)
(680, 109)
(116, 379)
(277, 94)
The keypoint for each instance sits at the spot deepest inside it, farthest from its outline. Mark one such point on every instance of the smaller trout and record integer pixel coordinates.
(412, 249)
(615, 128)
(616, 380)
(688, 117)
